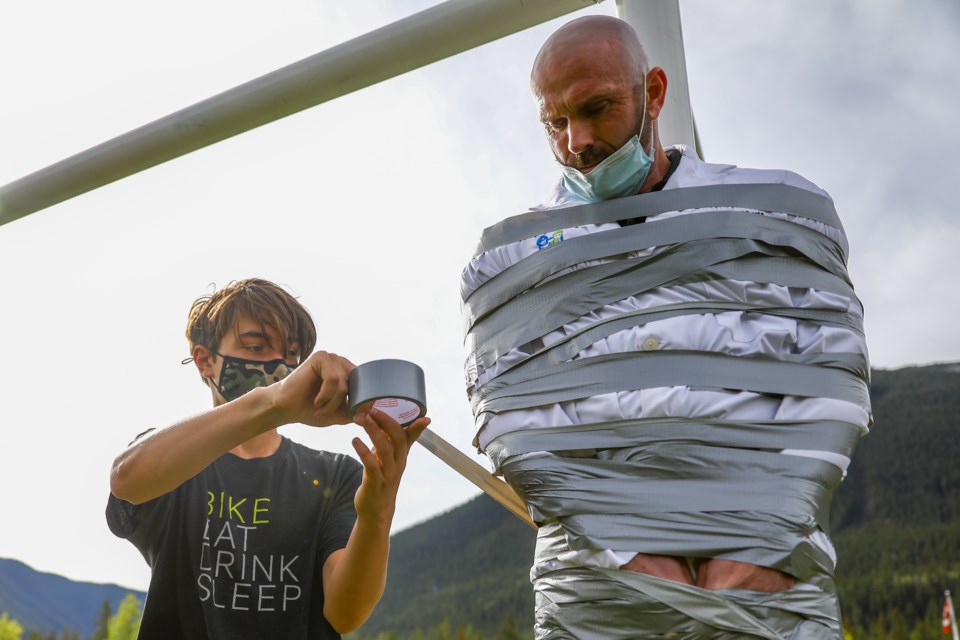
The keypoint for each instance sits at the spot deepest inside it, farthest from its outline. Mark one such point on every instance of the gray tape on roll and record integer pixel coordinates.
(396, 387)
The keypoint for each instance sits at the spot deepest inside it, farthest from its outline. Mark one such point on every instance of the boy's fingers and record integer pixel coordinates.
(332, 396)
(393, 451)
(368, 458)
(381, 442)
(333, 372)
(390, 426)
(361, 413)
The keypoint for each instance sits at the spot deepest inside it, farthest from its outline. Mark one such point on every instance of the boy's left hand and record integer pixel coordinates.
(383, 465)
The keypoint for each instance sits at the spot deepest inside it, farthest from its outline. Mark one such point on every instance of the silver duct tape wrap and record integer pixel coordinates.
(603, 604)
(697, 488)
(395, 387)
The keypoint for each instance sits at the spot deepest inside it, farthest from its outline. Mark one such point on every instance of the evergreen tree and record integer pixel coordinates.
(442, 632)
(126, 623)
(467, 633)
(508, 630)
(10, 629)
(897, 627)
(102, 628)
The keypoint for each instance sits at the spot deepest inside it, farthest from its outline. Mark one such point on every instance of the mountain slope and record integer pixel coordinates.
(469, 564)
(907, 469)
(48, 602)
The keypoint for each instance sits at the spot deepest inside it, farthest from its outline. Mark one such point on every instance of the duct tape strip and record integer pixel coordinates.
(605, 604)
(760, 197)
(537, 267)
(821, 435)
(674, 478)
(562, 299)
(548, 307)
(483, 356)
(787, 374)
(395, 387)
(590, 499)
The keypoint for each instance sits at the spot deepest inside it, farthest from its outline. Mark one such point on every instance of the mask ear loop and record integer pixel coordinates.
(215, 385)
(189, 359)
(643, 121)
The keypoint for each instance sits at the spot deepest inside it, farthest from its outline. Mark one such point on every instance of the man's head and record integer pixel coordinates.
(594, 91)
(250, 319)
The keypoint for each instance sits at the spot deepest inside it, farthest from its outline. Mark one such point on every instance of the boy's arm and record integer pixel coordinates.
(354, 577)
(314, 394)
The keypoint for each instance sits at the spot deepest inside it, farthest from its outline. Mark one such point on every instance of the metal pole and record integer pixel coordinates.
(418, 40)
(657, 22)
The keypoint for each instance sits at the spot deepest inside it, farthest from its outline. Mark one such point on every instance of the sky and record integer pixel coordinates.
(368, 207)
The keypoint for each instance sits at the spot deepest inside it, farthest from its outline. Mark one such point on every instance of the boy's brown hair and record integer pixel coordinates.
(212, 315)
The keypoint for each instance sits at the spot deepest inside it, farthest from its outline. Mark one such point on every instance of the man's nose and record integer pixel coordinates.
(579, 137)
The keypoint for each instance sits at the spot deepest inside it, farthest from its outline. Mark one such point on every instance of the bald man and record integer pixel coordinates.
(634, 365)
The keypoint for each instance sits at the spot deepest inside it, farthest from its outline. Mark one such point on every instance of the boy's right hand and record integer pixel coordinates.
(315, 393)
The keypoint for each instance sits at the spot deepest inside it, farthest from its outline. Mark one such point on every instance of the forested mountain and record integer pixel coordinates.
(51, 603)
(896, 518)
(464, 574)
(470, 565)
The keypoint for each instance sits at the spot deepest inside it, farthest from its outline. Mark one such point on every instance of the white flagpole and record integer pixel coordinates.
(953, 616)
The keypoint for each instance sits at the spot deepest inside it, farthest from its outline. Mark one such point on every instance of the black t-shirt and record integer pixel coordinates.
(237, 551)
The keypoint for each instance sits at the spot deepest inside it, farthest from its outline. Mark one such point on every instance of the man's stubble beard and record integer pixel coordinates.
(592, 156)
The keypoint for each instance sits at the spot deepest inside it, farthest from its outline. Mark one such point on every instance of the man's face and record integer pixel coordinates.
(589, 104)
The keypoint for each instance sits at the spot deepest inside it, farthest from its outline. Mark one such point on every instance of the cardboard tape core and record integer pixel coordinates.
(395, 387)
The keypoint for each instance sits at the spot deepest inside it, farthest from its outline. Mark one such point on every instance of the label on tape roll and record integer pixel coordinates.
(403, 411)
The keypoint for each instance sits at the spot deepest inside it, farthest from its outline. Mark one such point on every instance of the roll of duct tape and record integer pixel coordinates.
(395, 387)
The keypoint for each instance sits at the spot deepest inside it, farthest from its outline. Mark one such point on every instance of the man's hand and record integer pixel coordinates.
(383, 465)
(315, 393)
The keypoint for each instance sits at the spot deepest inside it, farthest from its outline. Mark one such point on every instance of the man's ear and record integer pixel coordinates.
(656, 92)
(204, 359)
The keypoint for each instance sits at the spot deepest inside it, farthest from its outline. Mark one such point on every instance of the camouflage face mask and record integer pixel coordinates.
(240, 376)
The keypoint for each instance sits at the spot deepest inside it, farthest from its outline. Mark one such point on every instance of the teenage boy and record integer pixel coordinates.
(248, 534)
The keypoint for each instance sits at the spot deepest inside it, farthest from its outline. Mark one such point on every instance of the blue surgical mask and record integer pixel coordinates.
(620, 174)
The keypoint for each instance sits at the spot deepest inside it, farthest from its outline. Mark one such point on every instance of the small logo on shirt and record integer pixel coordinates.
(548, 240)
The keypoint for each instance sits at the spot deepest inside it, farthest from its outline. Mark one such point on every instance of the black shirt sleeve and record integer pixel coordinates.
(341, 512)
